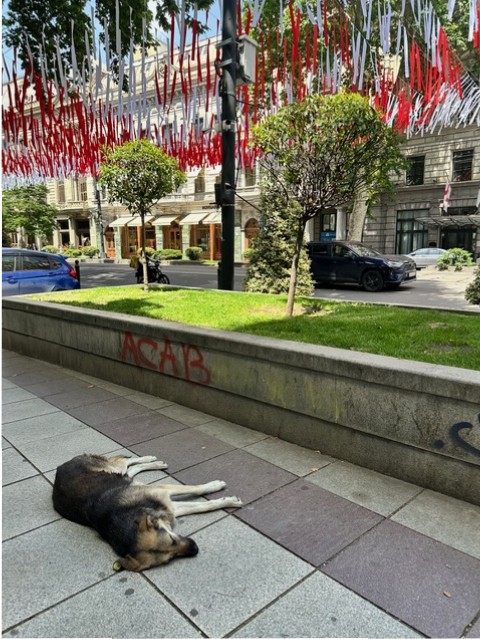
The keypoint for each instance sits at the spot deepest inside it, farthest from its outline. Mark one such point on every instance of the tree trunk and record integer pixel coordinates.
(358, 215)
(294, 270)
(144, 254)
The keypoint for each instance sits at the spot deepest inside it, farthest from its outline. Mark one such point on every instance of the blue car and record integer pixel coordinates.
(25, 271)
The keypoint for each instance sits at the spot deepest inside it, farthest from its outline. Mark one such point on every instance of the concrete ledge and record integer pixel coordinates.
(414, 421)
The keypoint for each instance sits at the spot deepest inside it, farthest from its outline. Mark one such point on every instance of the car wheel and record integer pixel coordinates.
(372, 281)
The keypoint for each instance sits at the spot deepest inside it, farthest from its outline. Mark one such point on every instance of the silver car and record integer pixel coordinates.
(426, 256)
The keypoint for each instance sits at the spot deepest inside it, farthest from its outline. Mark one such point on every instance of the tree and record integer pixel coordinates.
(26, 208)
(271, 256)
(139, 174)
(320, 152)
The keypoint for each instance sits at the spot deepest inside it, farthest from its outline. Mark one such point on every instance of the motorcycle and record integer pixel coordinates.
(154, 272)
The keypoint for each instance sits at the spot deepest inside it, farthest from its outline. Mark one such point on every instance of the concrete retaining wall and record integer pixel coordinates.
(414, 421)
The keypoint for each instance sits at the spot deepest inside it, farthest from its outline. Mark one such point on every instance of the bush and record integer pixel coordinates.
(50, 249)
(456, 257)
(72, 252)
(169, 254)
(90, 251)
(149, 252)
(194, 252)
(472, 292)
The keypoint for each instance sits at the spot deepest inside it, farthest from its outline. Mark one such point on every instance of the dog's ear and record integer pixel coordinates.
(147, 522)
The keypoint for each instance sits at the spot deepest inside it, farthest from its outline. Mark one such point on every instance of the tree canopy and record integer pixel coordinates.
(321, 151)
(26, 207)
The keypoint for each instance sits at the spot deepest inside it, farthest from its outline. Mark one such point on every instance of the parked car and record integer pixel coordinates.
(426, 256)
(25, 271)
(341, 262)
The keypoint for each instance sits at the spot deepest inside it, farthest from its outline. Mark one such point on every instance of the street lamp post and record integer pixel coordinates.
(228, 67)
(99, 218)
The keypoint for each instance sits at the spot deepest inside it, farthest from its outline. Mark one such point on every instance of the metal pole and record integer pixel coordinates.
(100, 218)
(228, 84)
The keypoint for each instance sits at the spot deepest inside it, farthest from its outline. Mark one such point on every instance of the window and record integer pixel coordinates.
(61, 192)
(36, 262)
(410, 233)
(415, 170)
(462, 165)
(200, 184)
(8, 263)
(250, 176)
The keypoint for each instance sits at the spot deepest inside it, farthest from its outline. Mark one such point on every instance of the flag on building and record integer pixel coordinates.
(446, 196)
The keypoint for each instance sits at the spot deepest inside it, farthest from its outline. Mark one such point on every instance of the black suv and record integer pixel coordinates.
(354, 263)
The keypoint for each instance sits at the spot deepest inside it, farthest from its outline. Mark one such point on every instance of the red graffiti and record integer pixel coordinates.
(179, 360)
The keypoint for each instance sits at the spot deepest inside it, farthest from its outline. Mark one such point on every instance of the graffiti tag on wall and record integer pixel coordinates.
(455, 434)
(180, 360)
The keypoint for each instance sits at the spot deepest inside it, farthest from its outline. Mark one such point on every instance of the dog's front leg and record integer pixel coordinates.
(134, 469)
(181, 508)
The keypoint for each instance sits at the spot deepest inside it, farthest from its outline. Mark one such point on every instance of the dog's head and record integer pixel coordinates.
(156, 544)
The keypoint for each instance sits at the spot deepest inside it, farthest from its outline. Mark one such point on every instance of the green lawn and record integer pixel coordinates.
(439, 337)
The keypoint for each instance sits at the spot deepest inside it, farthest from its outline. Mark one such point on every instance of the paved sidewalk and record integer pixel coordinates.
(321, 548)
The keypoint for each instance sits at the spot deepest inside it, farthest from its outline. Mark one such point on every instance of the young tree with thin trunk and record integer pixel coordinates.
(138, 174)
(321, 152)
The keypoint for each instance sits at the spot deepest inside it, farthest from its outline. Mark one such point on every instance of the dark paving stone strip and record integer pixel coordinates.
(183, 449)
(140, 428)
(106, 411)
(80, 397)
(247, 476)
(312, 522)
(428, 585)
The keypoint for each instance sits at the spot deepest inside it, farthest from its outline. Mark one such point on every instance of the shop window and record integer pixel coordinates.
(415, 170)
(411, 234)
(462, 165)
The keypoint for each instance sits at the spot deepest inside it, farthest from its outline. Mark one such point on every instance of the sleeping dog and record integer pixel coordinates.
(135, 519)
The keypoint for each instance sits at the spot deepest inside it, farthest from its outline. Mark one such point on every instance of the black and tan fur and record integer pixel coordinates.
(135, 519)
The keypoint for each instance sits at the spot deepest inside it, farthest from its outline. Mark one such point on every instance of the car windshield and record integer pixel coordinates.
(366, 251)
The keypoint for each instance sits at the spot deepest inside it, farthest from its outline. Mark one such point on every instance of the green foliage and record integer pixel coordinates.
(472, 292)
(270, 259)
(72, 252)
(49, 248)
(169, 254)
(90, 251)
(194, 253)
(26, 207)
(326, 148)
(138, 174)
(149, 251)
(456, 257)
(6, 239)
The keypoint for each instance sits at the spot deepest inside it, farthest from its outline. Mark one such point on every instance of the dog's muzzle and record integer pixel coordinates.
(192, 549)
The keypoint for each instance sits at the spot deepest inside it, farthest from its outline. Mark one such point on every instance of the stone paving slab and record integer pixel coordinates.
(429, 585)
(350, 553)
(125, 605)
(236, 573)
(321, 607)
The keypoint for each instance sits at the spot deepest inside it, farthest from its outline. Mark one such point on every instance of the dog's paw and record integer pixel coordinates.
(146, 459)
(159, 465)
(231, 502)
(215, 485)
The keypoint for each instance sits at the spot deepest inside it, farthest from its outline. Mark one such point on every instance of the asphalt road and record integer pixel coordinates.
(423, 292)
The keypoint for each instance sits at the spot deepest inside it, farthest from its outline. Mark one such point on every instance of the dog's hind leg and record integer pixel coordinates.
(181, 508)
(140, 464)
(201, 489)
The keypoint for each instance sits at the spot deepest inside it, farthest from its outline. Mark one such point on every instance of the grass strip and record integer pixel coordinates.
(439, 337)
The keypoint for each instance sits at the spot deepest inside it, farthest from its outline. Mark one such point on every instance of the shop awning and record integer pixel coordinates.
(194, 218)
(137, 220)
(444, 221)
(213, 218)
(120, 221)
(165, 220)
